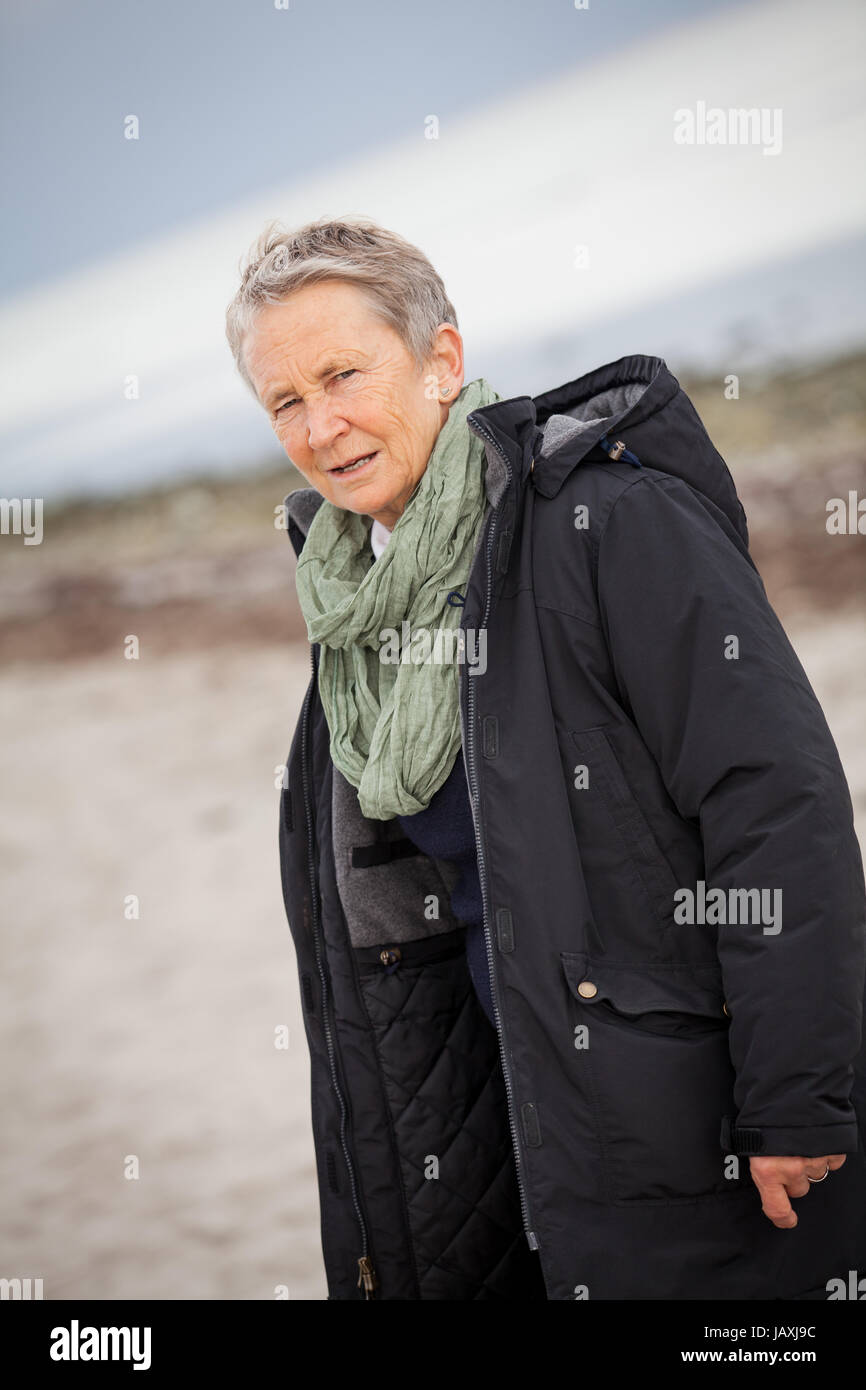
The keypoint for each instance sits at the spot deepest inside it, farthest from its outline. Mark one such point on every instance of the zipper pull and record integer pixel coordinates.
(619, 451)
(390, 958)
(367, 1277)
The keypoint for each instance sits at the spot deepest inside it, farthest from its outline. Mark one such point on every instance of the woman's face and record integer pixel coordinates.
(339, 384)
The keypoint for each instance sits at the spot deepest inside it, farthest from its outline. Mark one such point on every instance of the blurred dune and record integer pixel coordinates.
(200, 563)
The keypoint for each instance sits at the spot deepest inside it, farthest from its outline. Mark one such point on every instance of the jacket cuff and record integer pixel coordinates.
(805, 1141)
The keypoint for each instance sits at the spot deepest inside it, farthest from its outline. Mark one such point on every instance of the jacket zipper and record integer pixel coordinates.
(472, 779)
(366, 1274)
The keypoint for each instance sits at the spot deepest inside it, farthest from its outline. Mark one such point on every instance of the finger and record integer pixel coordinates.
(816, 1168)
(799, 1187)
(835, 1161)
(775, 1204)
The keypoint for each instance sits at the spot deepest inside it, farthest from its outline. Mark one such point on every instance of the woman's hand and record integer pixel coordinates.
(780, 1179)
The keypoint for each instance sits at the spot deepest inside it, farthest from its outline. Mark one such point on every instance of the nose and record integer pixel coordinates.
(324, 423)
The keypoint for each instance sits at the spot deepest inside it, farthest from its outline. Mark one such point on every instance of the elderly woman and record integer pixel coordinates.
(567, 851)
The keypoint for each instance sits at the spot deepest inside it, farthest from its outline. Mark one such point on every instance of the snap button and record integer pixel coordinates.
(587, 990)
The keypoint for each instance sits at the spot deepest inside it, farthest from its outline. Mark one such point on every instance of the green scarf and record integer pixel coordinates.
(395, 724)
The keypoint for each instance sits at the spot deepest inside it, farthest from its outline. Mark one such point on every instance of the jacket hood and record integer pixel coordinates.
(635, 401)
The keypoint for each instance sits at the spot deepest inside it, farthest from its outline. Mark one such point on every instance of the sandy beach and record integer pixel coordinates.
(152, 1037)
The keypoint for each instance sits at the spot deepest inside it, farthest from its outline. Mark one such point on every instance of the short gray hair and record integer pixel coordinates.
(402, 286)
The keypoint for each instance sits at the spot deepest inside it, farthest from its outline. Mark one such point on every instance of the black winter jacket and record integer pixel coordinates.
(642, 740)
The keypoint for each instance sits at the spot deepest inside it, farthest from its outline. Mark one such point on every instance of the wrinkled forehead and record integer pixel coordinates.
(311, 330)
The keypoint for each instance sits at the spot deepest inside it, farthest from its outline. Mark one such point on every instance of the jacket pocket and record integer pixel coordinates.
(654, 1058)
(625, 869)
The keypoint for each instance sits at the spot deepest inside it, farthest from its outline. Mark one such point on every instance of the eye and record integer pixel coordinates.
(339, 376)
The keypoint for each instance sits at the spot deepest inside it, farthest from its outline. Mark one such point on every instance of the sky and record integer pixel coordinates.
(235, 95)
(555, 128)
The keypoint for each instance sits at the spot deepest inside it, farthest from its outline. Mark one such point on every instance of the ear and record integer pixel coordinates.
(446, 360)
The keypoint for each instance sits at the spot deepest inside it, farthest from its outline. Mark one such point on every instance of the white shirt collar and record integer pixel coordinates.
(379, 537)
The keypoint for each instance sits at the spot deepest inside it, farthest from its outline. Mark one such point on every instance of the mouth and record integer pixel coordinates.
(356, 465)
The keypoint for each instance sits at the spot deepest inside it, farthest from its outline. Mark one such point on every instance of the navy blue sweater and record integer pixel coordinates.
(444, 830)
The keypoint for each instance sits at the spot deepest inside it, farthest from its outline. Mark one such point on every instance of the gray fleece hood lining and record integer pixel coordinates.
(560, 430)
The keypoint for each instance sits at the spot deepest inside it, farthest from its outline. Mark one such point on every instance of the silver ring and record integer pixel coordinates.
(822, 1178)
